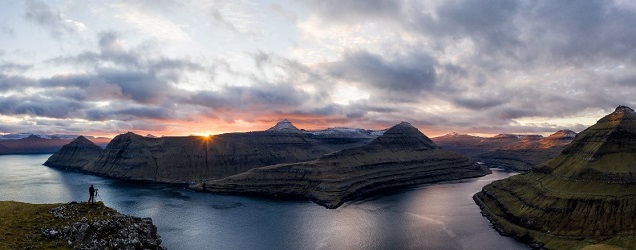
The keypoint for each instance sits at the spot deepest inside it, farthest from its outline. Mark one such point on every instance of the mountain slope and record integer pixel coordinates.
(196, 158)
(586, 195)
(402, 156)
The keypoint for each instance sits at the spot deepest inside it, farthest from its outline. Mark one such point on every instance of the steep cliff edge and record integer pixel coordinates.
(402, 156)
(197, 158)
(586, 195)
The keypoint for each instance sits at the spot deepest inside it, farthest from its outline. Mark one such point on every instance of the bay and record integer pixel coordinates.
(436, 216)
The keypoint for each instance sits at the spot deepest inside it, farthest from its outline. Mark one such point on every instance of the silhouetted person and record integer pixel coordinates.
(91, 191)
(203, 186)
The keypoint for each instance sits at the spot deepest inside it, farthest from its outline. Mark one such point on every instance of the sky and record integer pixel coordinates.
(180, 67)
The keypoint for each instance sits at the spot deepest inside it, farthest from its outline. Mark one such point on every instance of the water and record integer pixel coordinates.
(439, 216)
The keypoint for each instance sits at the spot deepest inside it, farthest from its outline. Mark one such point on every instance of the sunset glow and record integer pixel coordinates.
(208, 67)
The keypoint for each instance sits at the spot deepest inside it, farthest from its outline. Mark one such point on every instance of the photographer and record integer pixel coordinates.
(91, 191)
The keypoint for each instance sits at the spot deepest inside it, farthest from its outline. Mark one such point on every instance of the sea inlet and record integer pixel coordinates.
(436, 216)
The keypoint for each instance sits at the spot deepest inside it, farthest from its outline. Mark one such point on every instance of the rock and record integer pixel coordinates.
(115, 230)
(585, 195)
(401, 157)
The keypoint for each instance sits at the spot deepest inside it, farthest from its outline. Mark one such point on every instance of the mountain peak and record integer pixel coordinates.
(602, 152)
(82, 141)
(562, 135)
(403, 135)
(284, 126)
(622, 108)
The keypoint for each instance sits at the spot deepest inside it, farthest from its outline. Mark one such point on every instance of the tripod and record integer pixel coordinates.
(97, 194)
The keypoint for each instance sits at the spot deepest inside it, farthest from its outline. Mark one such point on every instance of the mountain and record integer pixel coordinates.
(29, 143)
(195, 158)
(75, 155)
(401, 157)
(515, 152)
(284, 126)
(528, 152)
(586, 195)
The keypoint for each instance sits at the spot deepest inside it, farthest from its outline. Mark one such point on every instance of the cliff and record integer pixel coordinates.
(515, 152)
(75, 155)
(584, 196)
(401, 157)
(196, 158)
(73, 225)
(527, 152)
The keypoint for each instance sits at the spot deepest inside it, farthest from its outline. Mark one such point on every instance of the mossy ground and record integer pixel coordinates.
(21, 223)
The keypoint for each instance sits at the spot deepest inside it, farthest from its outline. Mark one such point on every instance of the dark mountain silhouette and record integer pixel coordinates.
(402, 156)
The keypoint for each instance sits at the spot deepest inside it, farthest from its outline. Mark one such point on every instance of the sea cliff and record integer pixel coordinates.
(401, 157)
(195, 158)
(584, 196)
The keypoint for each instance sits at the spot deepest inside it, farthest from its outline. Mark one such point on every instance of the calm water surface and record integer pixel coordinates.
(440, 216)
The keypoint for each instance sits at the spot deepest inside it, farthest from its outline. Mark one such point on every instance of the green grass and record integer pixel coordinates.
(20, 223)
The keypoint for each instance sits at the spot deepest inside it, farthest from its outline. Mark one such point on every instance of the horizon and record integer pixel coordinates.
(304, 129)
(177, 68)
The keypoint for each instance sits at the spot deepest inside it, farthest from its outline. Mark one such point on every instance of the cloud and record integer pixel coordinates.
(57, 23)
(353, 10)
(402, 78)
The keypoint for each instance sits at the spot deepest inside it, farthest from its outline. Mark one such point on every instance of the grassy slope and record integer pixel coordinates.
(535, 207)
(20, 223)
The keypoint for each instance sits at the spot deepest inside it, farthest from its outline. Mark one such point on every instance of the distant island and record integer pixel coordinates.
(30, 143)
(585, 196)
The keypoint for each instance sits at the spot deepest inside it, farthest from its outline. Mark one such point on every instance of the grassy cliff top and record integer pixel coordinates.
(21, 223)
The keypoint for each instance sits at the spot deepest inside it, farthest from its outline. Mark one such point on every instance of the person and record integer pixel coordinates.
(91, 192)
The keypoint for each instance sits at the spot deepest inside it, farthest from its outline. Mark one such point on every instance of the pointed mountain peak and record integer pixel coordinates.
(403, 135)
(622, 108)
(603, 152)
(621, 113)
(81, 141)
(284, 126)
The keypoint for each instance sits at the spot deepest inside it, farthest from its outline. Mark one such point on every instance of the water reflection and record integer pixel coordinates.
(440, 216)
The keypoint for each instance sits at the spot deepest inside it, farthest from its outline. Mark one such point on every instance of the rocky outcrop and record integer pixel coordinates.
(401, 157)
(197, 158)
(106, 228)
(515, 152)
(75, 155)
(585, 195)
(73, 226)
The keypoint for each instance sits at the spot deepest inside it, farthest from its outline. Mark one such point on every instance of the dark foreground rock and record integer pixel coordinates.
(73, 225)
(584, 196)
(401, 157)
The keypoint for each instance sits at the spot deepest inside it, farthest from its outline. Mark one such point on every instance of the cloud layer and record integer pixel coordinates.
(485, 66)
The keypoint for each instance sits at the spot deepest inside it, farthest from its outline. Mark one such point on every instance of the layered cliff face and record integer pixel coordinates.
(195, 158)
(402, 156)
(515, 152)
(528, 152)
(586, 195)
(76, 155)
